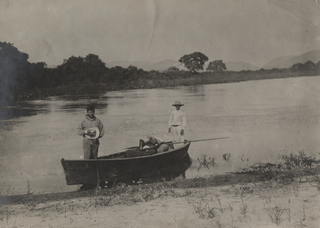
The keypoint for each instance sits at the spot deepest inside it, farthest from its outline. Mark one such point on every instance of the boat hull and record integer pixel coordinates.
(120, 169)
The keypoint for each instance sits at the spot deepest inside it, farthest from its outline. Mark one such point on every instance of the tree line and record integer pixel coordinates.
(19, 76)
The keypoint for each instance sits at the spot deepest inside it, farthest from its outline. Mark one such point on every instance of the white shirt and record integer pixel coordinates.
(178, 117)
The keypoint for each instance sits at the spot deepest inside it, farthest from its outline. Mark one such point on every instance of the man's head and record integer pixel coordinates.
(90, 110)
(178, 104)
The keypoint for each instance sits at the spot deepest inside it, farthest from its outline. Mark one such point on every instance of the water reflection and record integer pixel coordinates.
(79, 97)
(197, 91)
(170, 172)
(65, 104)
(74, 107)
(177, 169)
(16, 111)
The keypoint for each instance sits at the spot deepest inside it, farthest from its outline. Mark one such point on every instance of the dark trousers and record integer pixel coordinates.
(90, 149)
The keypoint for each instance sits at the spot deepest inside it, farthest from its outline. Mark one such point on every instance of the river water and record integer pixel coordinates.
(261, 118)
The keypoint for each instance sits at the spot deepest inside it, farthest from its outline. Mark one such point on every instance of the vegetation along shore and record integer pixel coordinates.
(89, 75)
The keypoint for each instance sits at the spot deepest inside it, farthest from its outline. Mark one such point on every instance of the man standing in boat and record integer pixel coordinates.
(91, 129)
(177, 123)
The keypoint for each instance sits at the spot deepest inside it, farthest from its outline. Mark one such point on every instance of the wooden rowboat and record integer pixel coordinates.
(123, 167)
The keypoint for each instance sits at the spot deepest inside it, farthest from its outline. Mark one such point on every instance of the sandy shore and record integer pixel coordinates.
(215, 202)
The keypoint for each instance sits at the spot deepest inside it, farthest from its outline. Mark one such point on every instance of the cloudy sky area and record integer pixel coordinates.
(253, 31)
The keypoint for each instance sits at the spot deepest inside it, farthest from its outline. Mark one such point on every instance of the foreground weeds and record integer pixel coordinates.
(285, 162)
(276, 214)
(265, 202)
(206, 162)
(268, 194)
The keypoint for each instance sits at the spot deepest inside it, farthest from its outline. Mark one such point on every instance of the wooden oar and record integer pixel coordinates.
(187, 141)
(198, 140)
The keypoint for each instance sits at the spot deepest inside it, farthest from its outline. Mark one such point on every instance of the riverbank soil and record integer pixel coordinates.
(263, 201)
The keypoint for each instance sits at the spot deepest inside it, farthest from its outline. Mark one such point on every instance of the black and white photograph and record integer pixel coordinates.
(159, 113)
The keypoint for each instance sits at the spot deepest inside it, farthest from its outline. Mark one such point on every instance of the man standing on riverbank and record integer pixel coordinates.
(91, 129)
(177, 123)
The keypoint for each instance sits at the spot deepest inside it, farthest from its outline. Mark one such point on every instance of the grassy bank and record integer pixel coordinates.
(231, 200)
(146, 192)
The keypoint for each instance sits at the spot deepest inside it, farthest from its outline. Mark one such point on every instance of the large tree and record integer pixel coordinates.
(95, 68)
(16, 73)
(94, 60)
(216, 66)
(79, 69)
(317, 67)
(194, 61)
(72, 70)
(309, 65)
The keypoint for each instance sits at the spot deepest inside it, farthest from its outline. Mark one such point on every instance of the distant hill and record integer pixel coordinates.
(125, 64)
(166, 63)
(145, 65)
(52, 66)
(239, 66)
(162, 65)
(288, 61)
(275, 62)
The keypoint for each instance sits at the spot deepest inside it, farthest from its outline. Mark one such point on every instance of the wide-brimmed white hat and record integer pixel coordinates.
(93, 129)
(178, 103)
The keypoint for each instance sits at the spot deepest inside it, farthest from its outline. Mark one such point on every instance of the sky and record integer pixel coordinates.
(252, 31)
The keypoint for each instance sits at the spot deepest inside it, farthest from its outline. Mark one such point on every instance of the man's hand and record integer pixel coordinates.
(181, 132)
(92, 133)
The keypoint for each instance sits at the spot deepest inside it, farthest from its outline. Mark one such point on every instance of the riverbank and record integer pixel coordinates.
(157, 80)
(231, 200)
